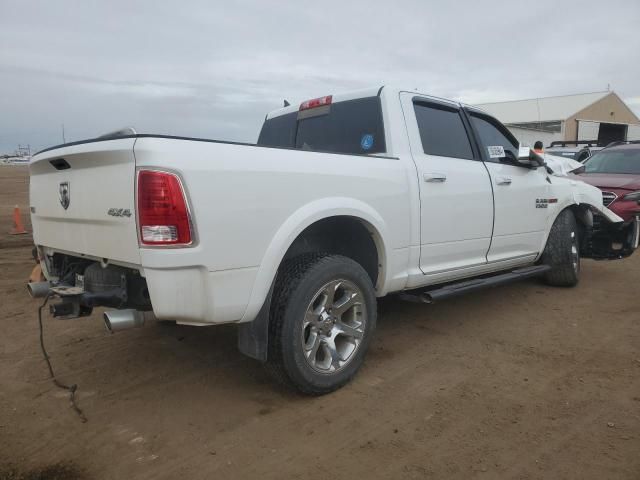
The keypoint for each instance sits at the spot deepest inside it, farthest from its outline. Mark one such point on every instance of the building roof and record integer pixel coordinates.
(542, 109)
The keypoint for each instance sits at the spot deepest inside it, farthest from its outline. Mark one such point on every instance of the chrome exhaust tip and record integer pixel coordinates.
(38, 289)
(116, 320)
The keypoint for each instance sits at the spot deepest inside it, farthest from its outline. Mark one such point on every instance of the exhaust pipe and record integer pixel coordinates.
(38, 289)
(116, 320)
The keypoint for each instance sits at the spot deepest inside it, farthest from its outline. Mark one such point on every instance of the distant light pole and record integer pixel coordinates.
(63, 139)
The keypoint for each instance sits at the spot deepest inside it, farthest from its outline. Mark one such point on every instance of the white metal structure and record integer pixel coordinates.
(545, 109)
(588, 130)
(529, 136)
(633, 132)
(567, 117)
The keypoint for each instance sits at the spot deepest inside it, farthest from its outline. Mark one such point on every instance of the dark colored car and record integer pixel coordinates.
(616, 171)
(578, 150)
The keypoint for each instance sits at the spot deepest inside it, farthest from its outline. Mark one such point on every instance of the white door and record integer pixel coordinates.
(588, 130)
(456, 202)
(633, 132)
(521, 194)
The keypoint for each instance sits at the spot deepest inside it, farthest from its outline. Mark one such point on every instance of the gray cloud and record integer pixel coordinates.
(214, 69)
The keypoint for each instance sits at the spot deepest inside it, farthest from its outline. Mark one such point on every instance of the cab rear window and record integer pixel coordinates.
(352, 126)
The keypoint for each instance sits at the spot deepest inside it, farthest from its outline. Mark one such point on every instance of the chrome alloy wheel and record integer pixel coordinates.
(575, 252)
(333, 326)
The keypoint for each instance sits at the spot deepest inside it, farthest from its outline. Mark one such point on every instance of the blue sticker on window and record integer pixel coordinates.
(366, 142)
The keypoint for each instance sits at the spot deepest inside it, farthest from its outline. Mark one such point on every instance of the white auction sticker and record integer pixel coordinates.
(496, 151)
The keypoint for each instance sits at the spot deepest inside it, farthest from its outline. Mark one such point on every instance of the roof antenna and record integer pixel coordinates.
(286, 104)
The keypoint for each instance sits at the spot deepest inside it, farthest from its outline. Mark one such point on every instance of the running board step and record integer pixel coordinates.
(460, 288)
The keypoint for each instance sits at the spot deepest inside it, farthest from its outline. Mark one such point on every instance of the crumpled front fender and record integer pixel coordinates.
(592, 196)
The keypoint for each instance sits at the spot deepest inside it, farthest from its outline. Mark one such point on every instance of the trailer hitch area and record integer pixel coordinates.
(70, 305)
(68, 308)
(76, 302)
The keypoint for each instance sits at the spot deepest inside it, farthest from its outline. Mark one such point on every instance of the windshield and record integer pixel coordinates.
(622, 160)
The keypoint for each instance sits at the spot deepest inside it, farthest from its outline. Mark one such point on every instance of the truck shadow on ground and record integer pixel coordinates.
(209, 355)
(164, 364)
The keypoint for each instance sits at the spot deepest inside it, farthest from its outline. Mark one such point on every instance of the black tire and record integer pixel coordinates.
(562, 252)
(300, 281)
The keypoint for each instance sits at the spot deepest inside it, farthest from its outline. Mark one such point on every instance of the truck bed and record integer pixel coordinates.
(248, 203)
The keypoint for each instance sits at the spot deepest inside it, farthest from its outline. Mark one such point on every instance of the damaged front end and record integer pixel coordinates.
(603, 234)
(603, 239)
(81, 284)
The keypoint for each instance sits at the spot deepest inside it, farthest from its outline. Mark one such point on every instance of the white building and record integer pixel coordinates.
(601, 116)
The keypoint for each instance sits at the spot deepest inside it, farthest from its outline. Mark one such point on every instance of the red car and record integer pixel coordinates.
(616, 171)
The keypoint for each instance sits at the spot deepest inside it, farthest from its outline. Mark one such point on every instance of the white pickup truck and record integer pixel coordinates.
(344, 198)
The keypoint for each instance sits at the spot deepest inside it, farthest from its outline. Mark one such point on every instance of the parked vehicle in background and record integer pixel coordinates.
(578, 150)
(616, 171)
(14, 160)
(345, 198)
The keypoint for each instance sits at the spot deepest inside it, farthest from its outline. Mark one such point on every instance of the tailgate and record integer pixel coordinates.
(82, 200)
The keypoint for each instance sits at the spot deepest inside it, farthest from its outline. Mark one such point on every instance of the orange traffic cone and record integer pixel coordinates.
(18, 227)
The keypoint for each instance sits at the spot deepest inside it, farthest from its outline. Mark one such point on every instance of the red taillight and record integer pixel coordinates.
(316, 102)
(163, 217)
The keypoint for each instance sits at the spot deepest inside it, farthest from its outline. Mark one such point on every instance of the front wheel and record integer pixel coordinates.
(322, 319)
(562, 252)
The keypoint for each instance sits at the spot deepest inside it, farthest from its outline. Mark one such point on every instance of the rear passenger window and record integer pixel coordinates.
(442, 131)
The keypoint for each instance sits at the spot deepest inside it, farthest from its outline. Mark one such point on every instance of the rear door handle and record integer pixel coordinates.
(503, 181)
(434, 177)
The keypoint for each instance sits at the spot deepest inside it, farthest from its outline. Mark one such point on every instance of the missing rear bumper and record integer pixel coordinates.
(81, 285)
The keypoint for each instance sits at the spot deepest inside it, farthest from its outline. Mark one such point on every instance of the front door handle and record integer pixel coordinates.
(503, 181)
(434, 177)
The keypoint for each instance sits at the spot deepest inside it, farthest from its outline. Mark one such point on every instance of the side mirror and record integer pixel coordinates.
(529, 158)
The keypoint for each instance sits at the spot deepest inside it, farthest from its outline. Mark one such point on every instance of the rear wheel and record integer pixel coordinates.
(322, 318)
(562, 252)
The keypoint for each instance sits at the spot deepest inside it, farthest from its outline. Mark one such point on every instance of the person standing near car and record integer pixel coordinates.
(538, 148)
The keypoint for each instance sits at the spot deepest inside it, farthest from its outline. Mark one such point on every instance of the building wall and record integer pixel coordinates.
(610, 109)
(528, 137)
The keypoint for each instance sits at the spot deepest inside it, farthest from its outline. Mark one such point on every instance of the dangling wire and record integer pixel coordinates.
(70, 388)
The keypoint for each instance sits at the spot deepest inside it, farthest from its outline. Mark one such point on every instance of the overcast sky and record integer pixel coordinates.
(213, 69)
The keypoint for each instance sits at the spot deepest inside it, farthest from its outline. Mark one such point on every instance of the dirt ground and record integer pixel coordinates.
(519, 382)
